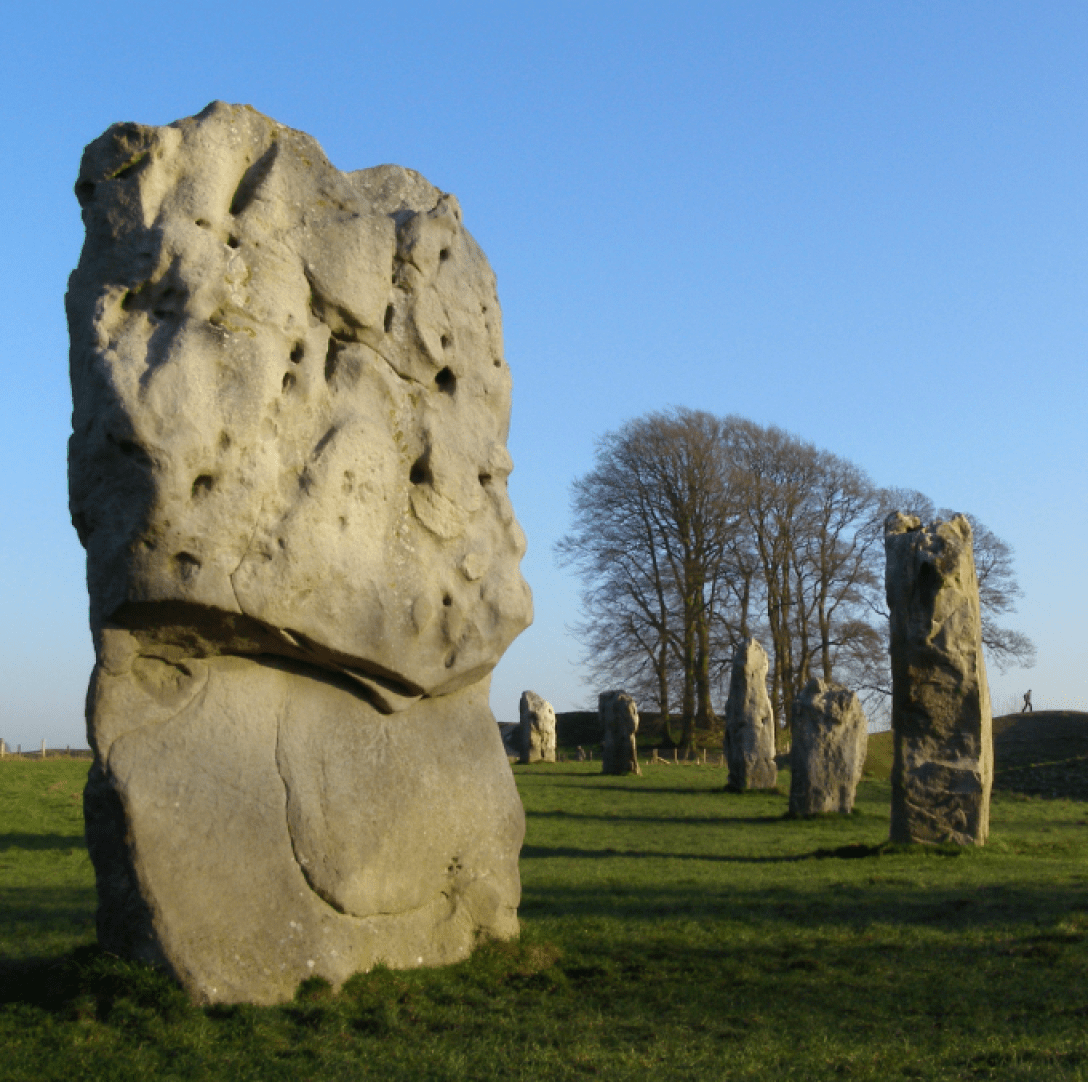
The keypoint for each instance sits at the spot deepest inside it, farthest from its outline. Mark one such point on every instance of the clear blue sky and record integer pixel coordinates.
(862, 222)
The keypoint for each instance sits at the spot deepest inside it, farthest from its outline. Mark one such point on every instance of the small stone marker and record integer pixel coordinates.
(537, 732)
(288, 468)
(944, 756)
(749, 721)
(827, 754)
(619, 720)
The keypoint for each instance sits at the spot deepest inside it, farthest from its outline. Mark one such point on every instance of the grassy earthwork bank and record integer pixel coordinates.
(670, 930)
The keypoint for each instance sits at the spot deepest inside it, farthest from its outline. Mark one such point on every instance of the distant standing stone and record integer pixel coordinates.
(537, 733)
(619, 720)
(830, 739)
(944, 756)
(749, 721)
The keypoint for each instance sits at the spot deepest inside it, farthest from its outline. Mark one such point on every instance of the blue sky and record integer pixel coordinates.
(862, 222)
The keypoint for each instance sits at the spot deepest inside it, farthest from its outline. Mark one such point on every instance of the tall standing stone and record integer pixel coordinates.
(827, 753)
(619, 722)
(944, 759)
(288, 469)
(749, 721)
(537, 733)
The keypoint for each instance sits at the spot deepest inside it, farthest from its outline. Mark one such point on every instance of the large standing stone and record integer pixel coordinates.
(944, 760)
(288, 469)
(537, 734)
(827, 753)
(749, 721)
(619, 722)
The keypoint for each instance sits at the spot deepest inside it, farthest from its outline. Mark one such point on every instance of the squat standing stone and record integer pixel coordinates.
(749, 721)
(944, 758)
(830, 739)
(288, 468)
(619, 720)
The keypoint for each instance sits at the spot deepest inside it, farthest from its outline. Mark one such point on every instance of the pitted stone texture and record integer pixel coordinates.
(827, 754)
(749, 721)
(537, 732)
(291, 405)
(288, 468)
(619, 722)
(253, 825)
(944, 760)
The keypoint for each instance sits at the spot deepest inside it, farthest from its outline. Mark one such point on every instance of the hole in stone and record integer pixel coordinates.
(187, 564)
(450, 660)
(84, 192)
(332, 359)
(224, 441)
(298, 352)
(485, 479)
(447, 341)
(389, 319)
(288, 381)
(498, 364)
(134, 451)
(446, 381)
(420, 473)
(202, 222)
(203, 485)
(233, 241)
(447, 600)
(444, 254)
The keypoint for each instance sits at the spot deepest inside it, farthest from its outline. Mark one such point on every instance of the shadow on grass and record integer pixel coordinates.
(854, 851)
(694, 820)
(88, 983)
(887, 897)
(41, 841)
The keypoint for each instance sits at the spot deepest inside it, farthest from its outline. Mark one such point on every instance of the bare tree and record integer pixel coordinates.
(692, 531)
(650, 533)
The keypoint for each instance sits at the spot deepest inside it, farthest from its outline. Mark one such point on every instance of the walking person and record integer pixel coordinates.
(1027, 703)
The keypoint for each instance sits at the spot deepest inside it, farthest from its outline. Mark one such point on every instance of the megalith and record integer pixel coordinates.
(619, 723)
(944, 757)
(827, 752)
(288, 469)
(749, 721)
(537, 733)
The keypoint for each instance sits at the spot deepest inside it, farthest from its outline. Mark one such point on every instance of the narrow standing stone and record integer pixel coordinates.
(619, 719)
(749, 721)
(944, 758)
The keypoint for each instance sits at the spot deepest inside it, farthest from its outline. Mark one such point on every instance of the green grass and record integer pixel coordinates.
(670, 930)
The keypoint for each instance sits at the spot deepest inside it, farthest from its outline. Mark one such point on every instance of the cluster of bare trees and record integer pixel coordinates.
(692, 531)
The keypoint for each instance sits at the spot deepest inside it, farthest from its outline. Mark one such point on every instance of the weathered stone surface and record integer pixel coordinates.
(827, 753)
(288, 468)
(537, 735)
(749, 721)
(619, 722)
(944, 760)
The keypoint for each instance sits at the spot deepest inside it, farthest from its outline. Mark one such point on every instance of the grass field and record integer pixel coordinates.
(670, 930)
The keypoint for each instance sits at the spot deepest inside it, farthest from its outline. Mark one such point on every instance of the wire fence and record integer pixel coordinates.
(43, 752)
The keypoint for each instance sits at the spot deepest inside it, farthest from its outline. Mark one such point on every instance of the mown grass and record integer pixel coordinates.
(670, 930)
